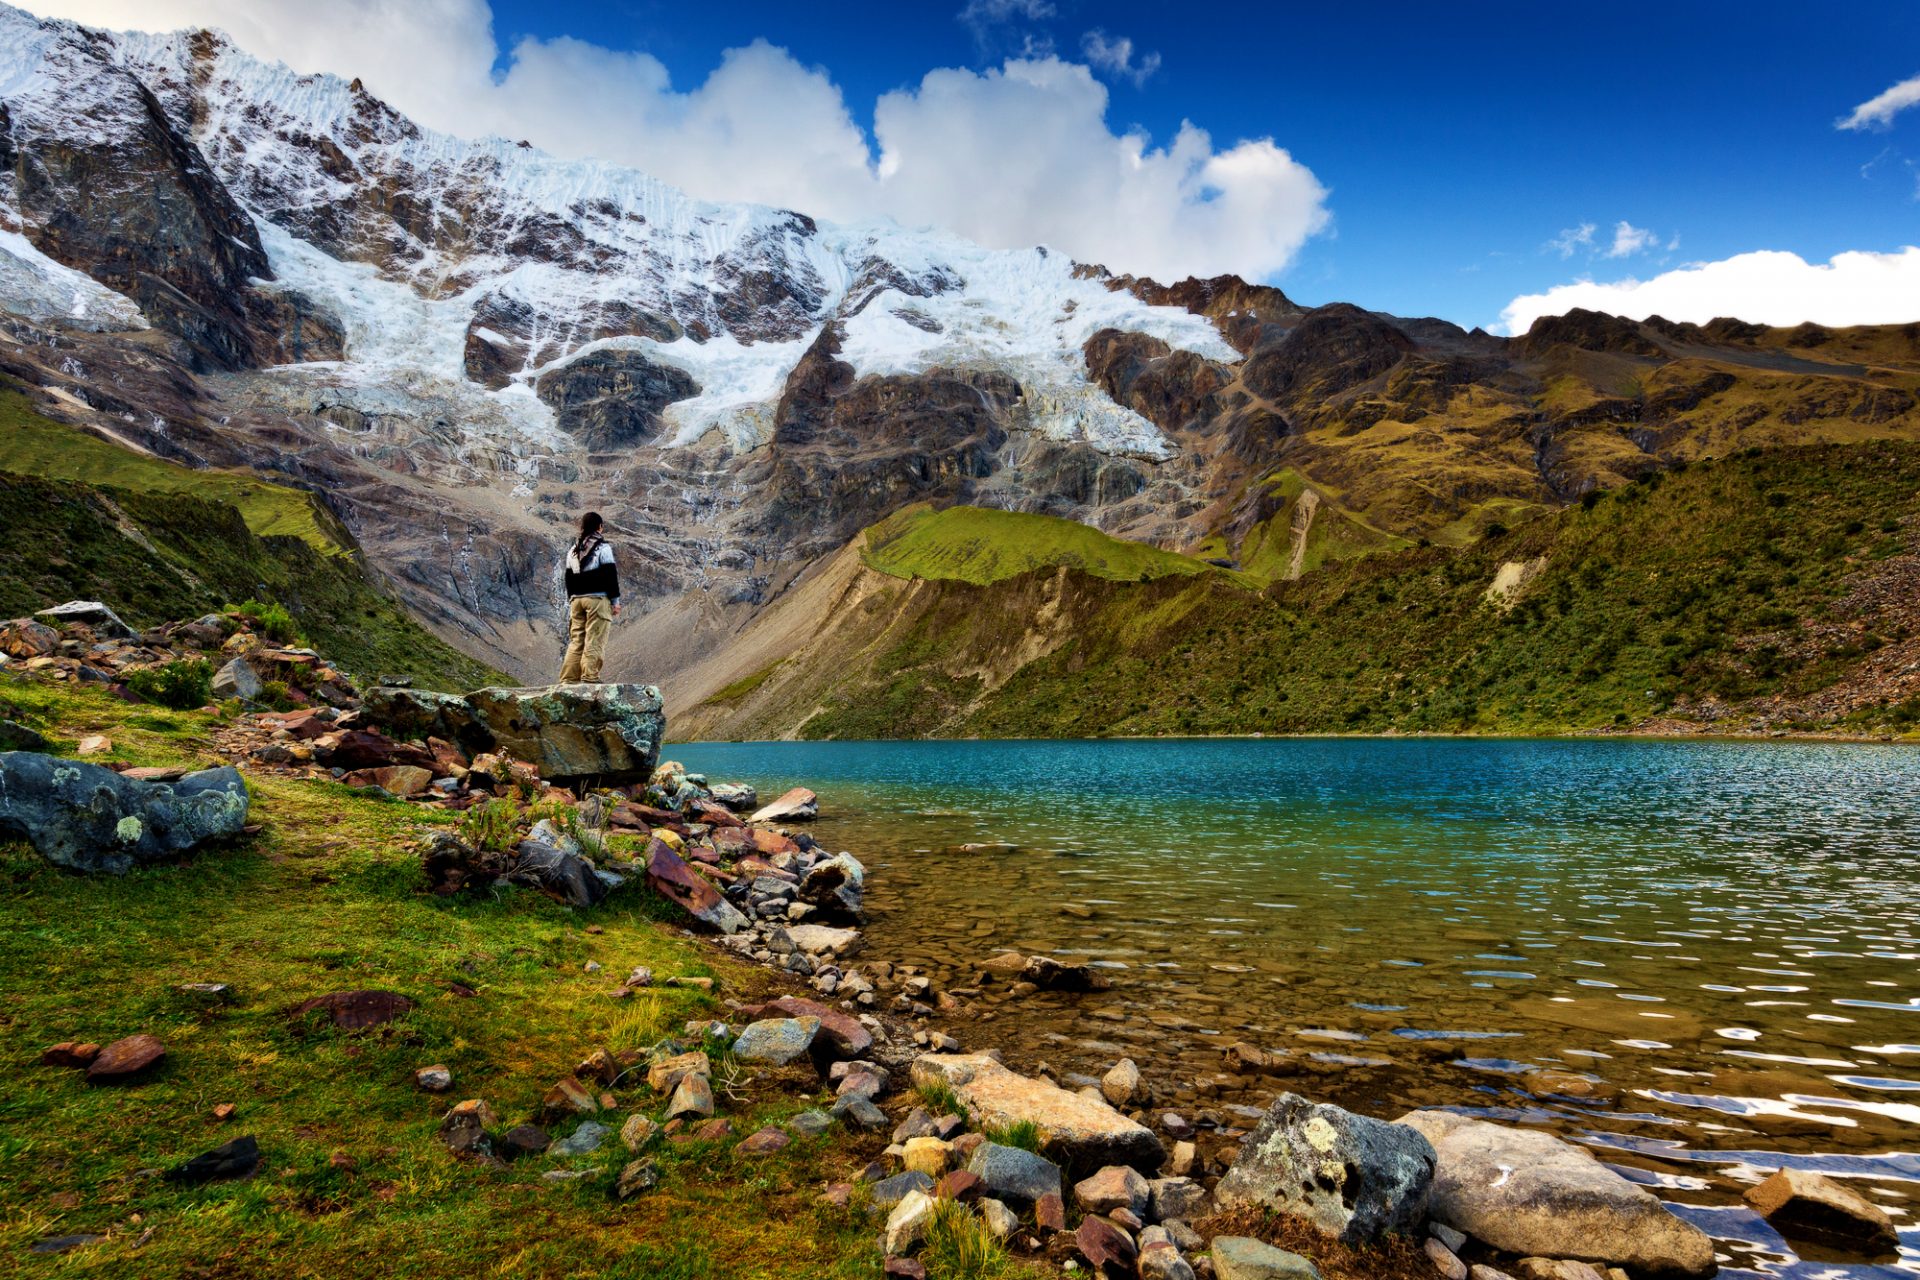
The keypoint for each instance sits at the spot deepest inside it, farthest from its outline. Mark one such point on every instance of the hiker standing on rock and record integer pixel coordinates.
(593, 602)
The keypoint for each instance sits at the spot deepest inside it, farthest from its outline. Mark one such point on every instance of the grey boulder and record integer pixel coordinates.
(608, 732)
(105, 622)
(1016, 1176)
(237, 679)
(1354, 1178)
(1239, 1258)
(87, 818)
(1527, 1192)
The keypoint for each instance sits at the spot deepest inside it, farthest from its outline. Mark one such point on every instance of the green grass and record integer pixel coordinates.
(982, 546)
(959, 1246)
(329, 897)
(938, 1097)
(1024, 1134)
(33, 445)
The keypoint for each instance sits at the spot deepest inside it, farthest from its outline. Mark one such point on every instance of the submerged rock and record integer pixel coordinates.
(1074, 1128)
(1529, 1193)
(1811, 1204)
(87, 818)
(1354, 1178)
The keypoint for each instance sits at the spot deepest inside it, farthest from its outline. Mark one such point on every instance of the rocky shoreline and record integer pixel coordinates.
(560, 790)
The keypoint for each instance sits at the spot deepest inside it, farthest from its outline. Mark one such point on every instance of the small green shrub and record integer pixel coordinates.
(271, 620)
(275, 694)
(490, 825)
(183, 684)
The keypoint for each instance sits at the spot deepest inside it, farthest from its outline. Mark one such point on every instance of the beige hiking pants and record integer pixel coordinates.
(589, 618)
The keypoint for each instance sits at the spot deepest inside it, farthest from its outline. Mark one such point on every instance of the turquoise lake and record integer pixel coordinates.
(1703, 958)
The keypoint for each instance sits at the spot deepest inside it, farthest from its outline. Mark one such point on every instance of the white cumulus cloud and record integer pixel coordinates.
(1878, 111)
(1114, 55)
(1629, 240)
(1013, 156)
(1768, 287)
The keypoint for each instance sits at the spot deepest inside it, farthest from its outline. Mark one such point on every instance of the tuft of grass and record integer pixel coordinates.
(491, 824)
(959, 1246)
(939, 1098)
(1024, 1134)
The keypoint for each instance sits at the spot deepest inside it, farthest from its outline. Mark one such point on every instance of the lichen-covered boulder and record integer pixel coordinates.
(607, 732)
(421, 714)
(87, 818)
(1352, 1177)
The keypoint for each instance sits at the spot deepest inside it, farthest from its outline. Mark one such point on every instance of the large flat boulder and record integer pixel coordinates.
(607, 732)
(672, 878)
(87, 818)
(1354, 1178)
(1074, 1128)
(105, 622)
(1529, 1193)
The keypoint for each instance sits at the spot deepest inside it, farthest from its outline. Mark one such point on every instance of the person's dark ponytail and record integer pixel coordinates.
(589, 524)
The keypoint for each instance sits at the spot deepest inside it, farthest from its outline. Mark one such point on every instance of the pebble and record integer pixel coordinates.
(433, 1079)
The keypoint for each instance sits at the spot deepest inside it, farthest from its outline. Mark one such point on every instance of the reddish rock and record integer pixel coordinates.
(716, 816)
(124, 1059)
(569, 1097)
(713, 1130)
(960, 1184)
(674, 880)
(357, 1010)
(1106, 1248)
(224, 1111)
(906, 1268)
(364, 749)
(772, 842)
(70, 1053)
(841, 1035)
(764, 1142)
(1050, 1214)
(731, 839)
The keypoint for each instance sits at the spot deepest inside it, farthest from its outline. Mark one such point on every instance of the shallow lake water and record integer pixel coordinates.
(1701, 958)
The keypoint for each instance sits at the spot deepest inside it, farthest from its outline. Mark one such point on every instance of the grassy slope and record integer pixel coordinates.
(327, 899)
(982, 546)
(32, 445)
(1717, 581)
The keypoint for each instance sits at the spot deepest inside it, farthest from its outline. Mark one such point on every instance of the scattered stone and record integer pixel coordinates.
(1480, 1271)
(125, 1059)
(1813, 1205)
(907, 1224)
(1106, 1248)
(714, 1130)
(926, 1155)
(1444, 1260)
(798, 805)
(890, 1191)
(1000, 1221)
(1050, 1214)
(87, 818)
(582, 1141)
(963, 1185)
(1448, 1236)
(1176, 1127)
(904, 1269)
(434, 1079)
(1238, 1258)
(857, 1110)
(212, 992)
(356, 1010)
(569, 1097)
(70, 1053)
(764, 1141)
(811, 1124)
(237, 679)
(1016, 1176)
(1186, 1158)
(638, 1131)
(674, 880)
(1080, 1130)
(1121, 1085)
(64, 1244)
(639, 1177)
(776, 1040)
(235, 1159)
(1114, 1187)
(665, 1075)
(17, 737)
(224, 1111)
(1178, 1199)
(1354, 1178)
(734, 795)
(464, 1131)
(1528, 1193)
(1162, 1261)
(693, 1096)
(524, 1140)
(1557, 1269)
(824, 940)
(1048, 974)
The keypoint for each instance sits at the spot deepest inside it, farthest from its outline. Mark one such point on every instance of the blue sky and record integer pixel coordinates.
(1457, 141)
(1487, 162)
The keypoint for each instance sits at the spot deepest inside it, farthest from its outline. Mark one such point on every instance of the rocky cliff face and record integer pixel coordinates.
(463, 344)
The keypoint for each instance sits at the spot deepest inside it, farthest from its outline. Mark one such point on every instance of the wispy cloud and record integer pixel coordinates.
(1573, 239)
(1629, 240)
(1878, 111)
(1114, 55)
(987, 18)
